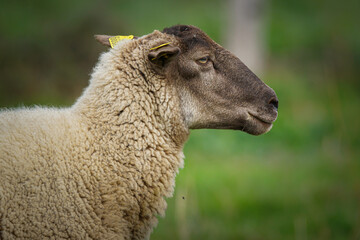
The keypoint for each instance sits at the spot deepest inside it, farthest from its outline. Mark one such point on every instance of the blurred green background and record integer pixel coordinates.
(299, 181)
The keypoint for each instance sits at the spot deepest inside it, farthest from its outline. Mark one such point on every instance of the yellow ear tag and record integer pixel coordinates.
(114, 40)
(162, 45)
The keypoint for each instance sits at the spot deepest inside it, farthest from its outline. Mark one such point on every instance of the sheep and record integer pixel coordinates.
(102, 168)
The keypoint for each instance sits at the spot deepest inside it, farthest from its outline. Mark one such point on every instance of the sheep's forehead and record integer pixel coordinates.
(190, 37)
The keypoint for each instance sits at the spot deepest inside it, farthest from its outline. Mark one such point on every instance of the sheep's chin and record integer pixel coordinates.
(258, 128)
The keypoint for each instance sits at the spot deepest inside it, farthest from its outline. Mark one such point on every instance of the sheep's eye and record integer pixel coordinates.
(203, 60)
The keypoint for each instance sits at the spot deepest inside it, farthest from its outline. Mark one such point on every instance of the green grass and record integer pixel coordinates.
(275, 199)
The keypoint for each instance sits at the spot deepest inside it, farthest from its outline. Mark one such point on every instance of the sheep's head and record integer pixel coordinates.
(216, 90)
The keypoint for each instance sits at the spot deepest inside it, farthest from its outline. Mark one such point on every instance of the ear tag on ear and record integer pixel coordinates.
(114, 40)
(162, 45)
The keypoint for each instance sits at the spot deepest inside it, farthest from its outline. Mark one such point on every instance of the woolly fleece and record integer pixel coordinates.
(101, 168)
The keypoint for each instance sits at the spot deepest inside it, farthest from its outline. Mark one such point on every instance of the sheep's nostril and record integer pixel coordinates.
(275, 102)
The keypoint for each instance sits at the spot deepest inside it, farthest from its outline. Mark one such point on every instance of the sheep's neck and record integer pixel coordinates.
(141, 136)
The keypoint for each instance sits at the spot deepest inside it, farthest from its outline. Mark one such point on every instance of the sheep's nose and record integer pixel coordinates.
(274, 102)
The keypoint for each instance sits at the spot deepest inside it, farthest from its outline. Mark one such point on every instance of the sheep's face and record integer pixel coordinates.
(215, 88)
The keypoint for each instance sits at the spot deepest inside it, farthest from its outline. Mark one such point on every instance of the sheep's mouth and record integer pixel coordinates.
(262, 120)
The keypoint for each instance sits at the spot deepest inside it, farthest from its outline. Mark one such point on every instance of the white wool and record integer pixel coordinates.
(101, 168)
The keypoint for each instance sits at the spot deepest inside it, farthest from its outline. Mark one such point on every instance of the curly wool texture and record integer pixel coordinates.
(101, 168)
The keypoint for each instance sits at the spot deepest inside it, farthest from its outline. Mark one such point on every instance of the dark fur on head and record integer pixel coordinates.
(216, 89)
(190, 36)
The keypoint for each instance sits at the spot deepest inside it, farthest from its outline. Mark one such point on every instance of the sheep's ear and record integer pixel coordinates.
(163, 54)
(103, 39)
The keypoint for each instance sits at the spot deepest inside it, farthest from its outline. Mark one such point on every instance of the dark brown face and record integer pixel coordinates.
(216, 89)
